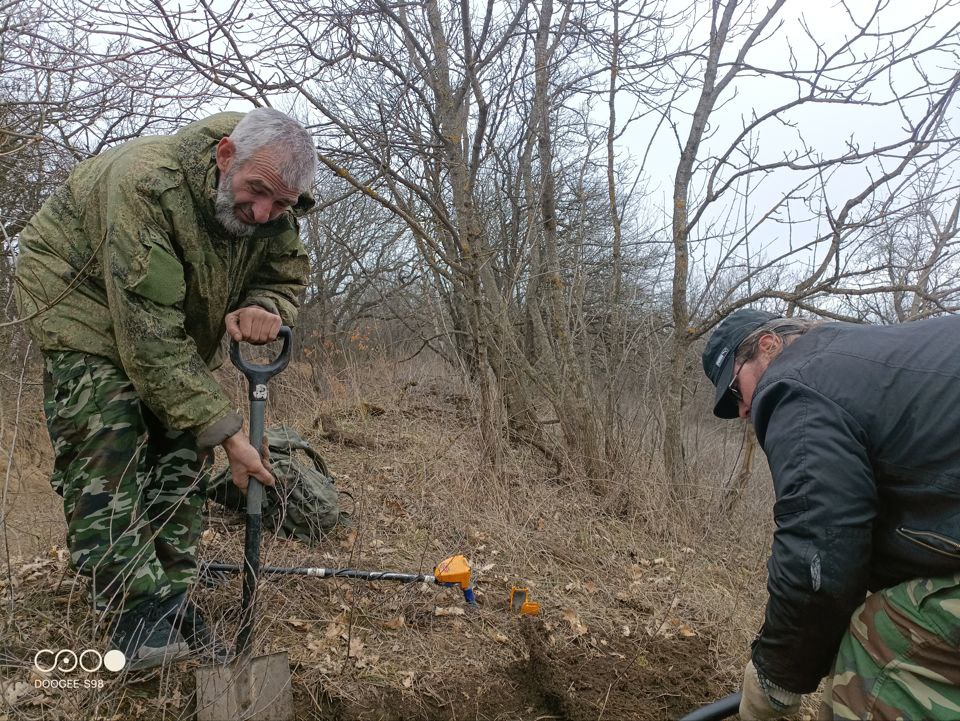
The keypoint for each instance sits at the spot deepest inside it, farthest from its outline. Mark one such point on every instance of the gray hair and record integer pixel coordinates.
(785, 328)
(266, 128)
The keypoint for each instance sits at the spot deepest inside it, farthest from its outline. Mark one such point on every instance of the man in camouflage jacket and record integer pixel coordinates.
(127, 278)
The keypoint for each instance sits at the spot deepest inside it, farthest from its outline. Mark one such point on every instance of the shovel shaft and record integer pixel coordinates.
(251, 540)
(257, 377)
(251, 572)
(254, 487)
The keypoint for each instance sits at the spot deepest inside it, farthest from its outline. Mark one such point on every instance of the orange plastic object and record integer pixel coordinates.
(520, 603)
(454, 570)
(530, 608)
(518, 597)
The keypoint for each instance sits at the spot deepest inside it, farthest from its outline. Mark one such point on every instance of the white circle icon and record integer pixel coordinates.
(114, 660)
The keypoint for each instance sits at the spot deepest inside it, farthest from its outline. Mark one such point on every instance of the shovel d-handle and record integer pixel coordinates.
(257, 376)
(724, 708)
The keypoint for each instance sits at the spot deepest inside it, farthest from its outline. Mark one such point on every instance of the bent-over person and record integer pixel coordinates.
(861, 428)
(127, 278)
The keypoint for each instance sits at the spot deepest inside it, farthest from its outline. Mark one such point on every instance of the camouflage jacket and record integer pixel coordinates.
(127, 261)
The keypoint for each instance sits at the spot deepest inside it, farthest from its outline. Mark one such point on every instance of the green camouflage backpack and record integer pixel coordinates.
(305, 502)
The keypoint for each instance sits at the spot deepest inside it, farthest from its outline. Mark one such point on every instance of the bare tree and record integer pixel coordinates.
(64, 96)
(360, 260)
(490, 132)
(908, 265)
(721, 177)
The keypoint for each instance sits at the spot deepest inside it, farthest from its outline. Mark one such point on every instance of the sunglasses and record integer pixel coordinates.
(732, 388)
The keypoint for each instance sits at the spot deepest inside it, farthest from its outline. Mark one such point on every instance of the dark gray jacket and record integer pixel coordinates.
(861, 426)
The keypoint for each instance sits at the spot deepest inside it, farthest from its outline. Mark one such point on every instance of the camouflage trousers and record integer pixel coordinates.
(133, 491)
(900, 657)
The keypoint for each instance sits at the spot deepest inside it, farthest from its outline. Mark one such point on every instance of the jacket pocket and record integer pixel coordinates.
(790, 505)
(931, 541)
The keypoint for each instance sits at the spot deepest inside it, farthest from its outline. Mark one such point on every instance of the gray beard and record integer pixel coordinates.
(223, 207)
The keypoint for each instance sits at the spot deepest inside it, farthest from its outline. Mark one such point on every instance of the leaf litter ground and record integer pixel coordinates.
(635, 624)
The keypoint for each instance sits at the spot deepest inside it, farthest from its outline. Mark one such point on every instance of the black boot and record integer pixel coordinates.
(184, 615)
(146, 639)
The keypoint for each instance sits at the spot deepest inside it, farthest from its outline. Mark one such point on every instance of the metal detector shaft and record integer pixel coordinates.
(328, 573)
(257, 376)
(724, 708)
(441, 576)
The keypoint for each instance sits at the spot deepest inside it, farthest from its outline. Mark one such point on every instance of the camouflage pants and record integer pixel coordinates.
(133, 491)
(900, 658)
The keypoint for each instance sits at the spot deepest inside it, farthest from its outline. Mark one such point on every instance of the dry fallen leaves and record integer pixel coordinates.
(301, 624)
(576, 625)
(673, 626)
(337, 627)
(209, 536)
(316, 645)
(349, 539)
(683, 628)
(13, 691)
(497, 636)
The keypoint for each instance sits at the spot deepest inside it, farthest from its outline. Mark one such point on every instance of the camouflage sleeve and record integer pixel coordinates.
(281, 278)
(145, 291)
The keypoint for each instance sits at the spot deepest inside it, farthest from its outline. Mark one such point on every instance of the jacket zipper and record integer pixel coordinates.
(917, 537)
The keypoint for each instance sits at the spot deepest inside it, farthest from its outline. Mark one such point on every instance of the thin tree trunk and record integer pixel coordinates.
(735, 492)
(673, 451)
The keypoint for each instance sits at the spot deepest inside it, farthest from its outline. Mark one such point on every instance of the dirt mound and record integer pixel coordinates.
(655, 678)
(502, 696)
(607, 678)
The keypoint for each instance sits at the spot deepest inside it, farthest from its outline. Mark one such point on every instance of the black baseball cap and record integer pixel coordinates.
(718, 356)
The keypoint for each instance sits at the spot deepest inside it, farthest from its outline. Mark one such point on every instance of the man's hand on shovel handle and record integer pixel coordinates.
(253, 324)
(245, 461)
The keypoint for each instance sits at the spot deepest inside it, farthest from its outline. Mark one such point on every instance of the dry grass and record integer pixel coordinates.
(657, 601)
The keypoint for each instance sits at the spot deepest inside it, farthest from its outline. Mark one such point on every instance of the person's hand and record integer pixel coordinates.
(253, 324)
(245, 461)
(758, 704)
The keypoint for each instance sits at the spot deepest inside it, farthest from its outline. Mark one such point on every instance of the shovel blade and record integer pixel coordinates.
(252, 689)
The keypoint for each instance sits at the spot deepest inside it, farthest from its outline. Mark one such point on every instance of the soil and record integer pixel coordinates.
(654, 678)
(649, 681)
(32, 513)
(632, 626)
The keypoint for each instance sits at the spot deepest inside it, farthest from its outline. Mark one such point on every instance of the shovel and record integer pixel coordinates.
(250, 688)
